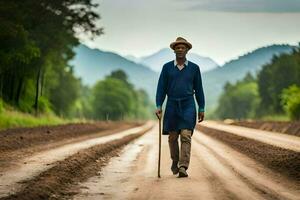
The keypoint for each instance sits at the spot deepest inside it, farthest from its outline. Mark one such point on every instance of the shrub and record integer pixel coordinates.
(290, 100)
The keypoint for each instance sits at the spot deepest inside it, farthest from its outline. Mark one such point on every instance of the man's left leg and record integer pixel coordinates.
(185, 151)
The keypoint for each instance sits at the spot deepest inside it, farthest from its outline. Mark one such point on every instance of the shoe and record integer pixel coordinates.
(174, 167)
(182, 172)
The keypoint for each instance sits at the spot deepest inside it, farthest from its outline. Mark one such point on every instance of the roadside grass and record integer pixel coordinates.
(14, 119)
(276, 118)
(11, 118)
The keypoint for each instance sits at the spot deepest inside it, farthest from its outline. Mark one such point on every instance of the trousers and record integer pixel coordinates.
(182, 156)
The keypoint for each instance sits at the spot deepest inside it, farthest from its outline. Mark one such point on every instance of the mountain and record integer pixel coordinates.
(92, 65)
(133, 58)
(156, 60)
(214, 80)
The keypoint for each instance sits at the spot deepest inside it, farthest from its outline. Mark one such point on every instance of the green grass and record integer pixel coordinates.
(276, 118)
(13, 119)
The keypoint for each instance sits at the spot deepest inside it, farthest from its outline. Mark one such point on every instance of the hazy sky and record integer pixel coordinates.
(219, 29)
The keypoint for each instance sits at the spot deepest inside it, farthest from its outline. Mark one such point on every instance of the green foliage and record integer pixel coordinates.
(112, 99)
(119, 74)
(116, 99)
(12, 119)
(240, 100)
(83, 107)
(281, 73)
(1, 106)
(234, 70)
(291, 101)
(27, 98)
(64, 95)
(144, 106)
(276, 90)
(44, 105)
(37, 40)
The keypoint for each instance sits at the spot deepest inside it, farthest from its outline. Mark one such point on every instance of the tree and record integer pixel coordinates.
(64, 95)
(116, 99)
(291, 101)
(112, 99)
(281, 73)
(240, 100)
(119, 74)
(38, 37)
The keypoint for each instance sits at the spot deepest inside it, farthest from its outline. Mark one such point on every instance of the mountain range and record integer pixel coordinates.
(214, 80)
(156, 60)
(92, 65)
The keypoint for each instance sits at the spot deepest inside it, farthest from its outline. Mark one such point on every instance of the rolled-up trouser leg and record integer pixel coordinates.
(185, 150)
(173, 144)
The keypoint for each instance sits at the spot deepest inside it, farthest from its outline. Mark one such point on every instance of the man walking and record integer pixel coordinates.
(180, 79)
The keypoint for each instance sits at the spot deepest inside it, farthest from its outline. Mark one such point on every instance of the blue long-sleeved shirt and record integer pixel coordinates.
(180, 83)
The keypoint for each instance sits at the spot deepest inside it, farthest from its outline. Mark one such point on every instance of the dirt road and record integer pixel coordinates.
(12, 179)
(216, 172)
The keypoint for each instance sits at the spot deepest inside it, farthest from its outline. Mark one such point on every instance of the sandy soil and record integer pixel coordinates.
(292, 128)
(12, 178)
(23, 142)
(277, 139)
(218, 170)
(282, 160)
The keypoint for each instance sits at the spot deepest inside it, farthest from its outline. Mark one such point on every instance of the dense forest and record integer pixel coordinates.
(37, 39)
(274, 91)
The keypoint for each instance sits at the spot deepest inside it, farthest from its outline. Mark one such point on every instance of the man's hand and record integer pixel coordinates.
(158, 113)
(200, 116)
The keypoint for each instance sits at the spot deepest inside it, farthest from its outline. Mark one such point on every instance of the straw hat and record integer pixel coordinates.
(180, 40)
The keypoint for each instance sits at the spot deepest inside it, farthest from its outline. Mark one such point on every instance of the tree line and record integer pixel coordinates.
(115, 98)
(275, 90)
(37, 39)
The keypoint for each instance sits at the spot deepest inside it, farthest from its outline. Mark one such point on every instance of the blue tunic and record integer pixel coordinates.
(180, 87)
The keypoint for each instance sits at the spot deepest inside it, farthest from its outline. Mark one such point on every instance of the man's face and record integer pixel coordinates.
(181, 50)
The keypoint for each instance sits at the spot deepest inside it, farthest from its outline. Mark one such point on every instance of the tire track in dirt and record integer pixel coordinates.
(256, 177)
(148, 186)
(263, 191)
(284, 161)
(220, 191)
(13, 180)
(277, 139)
(143, 183)
(216, 172)
(111, 183)
(226, 176)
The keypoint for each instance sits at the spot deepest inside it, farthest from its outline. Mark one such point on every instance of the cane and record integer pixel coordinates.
(159, 148)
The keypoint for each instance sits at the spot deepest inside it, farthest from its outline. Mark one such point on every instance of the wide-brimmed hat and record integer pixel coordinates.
(180, 40)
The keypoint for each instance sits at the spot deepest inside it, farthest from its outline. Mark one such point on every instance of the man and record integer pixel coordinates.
(180, 79)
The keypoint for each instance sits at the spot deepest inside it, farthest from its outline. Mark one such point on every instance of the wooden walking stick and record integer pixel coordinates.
(159, 148)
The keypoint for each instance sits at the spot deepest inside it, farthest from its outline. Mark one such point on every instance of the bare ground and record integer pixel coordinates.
(284, 161)
(53, 183)
(223, 166)
(21, 142)
(216, 171)
(292, 128)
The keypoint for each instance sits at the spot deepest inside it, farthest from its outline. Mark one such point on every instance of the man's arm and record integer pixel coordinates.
(161, 91)
(199, 94)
